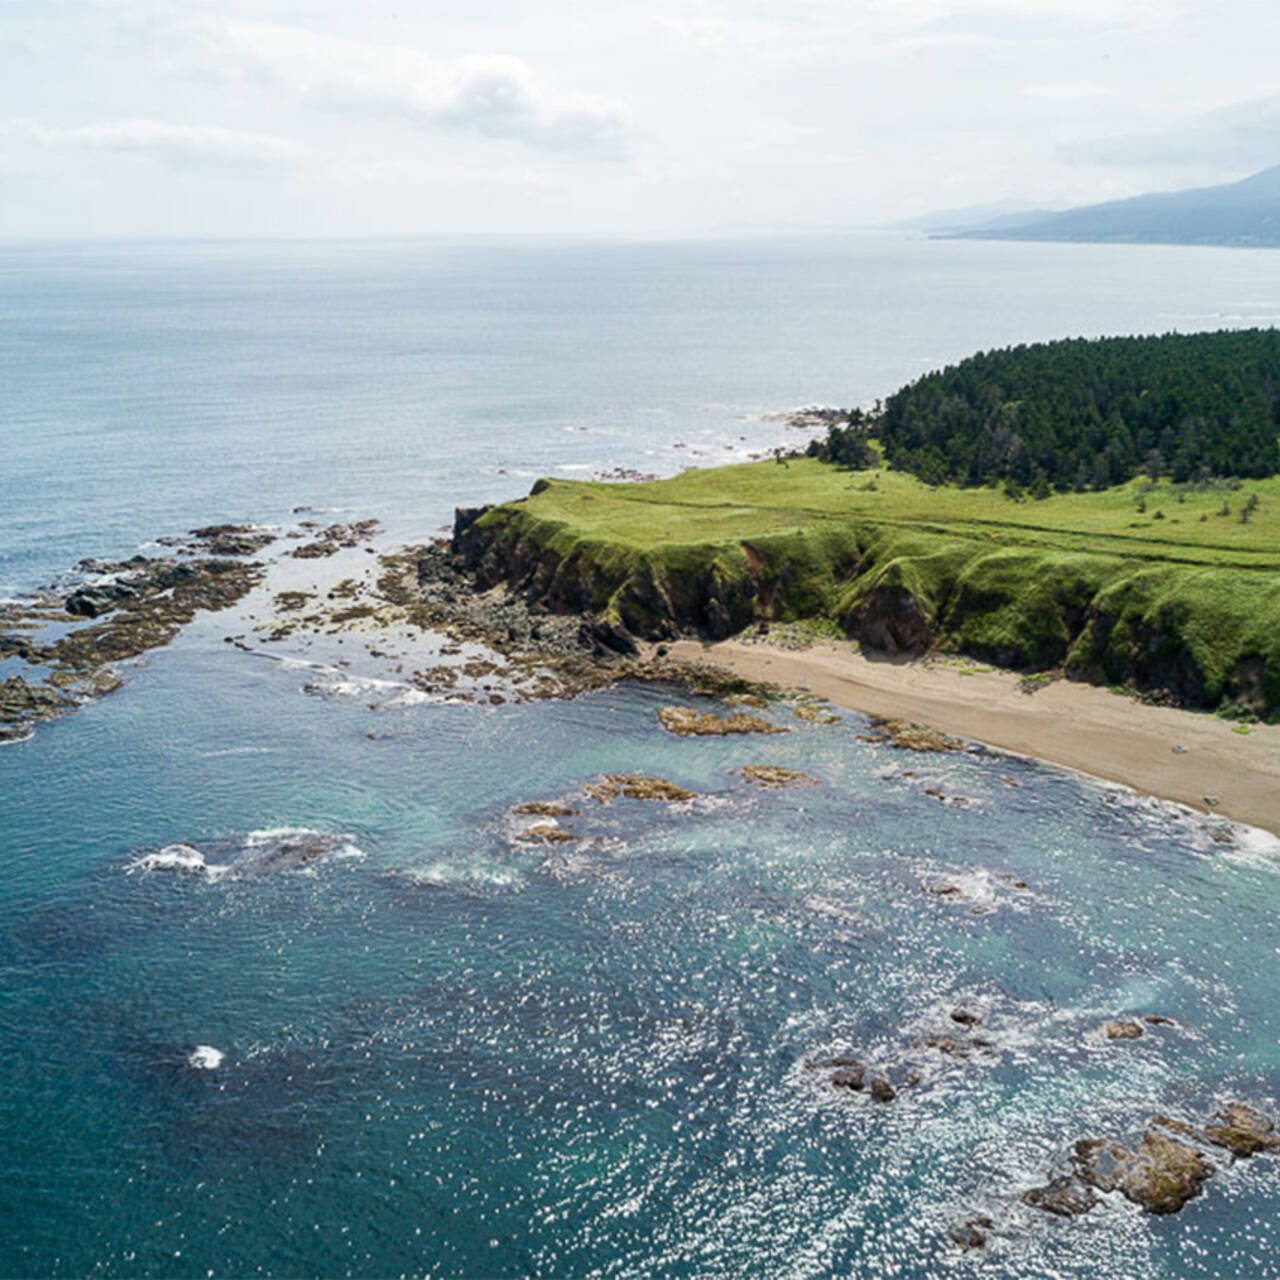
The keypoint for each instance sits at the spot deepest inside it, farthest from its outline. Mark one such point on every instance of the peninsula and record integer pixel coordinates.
(1106, 513)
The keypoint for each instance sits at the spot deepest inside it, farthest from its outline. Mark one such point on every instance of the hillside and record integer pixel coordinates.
(1180, 596)
(1244, 213)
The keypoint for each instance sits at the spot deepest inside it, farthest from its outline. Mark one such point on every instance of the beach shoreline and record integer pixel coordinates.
(1190, 757)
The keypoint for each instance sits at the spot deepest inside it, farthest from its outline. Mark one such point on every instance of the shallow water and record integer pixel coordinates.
(428, 1048)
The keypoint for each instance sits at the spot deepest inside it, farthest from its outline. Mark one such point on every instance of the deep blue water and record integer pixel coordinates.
(454, 1054)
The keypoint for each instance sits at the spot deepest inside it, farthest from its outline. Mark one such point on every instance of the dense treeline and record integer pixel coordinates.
(1089, 413)
(846, 443)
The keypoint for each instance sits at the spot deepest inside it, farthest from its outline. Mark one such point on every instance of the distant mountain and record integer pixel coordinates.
(1239, 213)
(969, 217)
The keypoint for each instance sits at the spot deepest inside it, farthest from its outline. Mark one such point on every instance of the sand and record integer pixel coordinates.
(1077, 725)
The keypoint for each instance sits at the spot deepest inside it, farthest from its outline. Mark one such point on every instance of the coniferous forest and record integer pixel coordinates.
(1090, 413)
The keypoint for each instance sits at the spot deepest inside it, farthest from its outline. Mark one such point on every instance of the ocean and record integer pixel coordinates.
(437, 1050)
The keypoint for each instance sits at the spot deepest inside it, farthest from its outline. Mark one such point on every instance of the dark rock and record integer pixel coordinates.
(890, 618)
(882, 1090)
(611, 638)
(965, 1017)
(852, 1077)
(947, 1045)
(1122, 1029)
(971, 1234)
(463, 519)
(1063, 1197)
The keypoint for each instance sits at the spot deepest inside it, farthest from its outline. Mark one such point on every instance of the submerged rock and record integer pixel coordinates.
(815, 713)
(637, 786)
(914, 737)
(337, 537)
(971, 1234)
(1063, 1197)
(772, 777)
(853, 1077)
(546, 833)
(233, 539)
(684, 722)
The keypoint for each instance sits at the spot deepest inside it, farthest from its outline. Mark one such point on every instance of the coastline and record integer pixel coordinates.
(1082, 727)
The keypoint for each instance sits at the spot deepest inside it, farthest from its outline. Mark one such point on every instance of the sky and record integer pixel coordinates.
(406, 117)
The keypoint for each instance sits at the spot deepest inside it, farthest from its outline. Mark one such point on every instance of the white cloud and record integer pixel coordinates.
(719, 33)
(1243, 136)
(179, 142)
(488, 94)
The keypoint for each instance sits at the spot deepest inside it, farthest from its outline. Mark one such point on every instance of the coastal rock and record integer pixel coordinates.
(22, 701)
(335, 538)
(603, 636)
(1160, 1176)
(684, 722)
(882, 1090)
(1242, 1131)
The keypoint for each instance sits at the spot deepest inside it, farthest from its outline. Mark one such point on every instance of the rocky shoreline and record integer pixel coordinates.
(68, 639)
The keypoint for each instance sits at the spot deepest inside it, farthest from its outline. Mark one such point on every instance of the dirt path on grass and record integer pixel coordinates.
(1077, 725)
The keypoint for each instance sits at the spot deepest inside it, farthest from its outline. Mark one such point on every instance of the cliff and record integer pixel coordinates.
(1186, 621)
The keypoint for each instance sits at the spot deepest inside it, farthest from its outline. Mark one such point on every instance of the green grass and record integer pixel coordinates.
(1188, 602)
(726, 503)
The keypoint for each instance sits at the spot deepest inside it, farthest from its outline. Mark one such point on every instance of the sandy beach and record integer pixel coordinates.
(1191, 757)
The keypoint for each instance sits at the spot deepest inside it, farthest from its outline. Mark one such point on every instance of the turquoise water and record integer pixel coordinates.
(444, 1052)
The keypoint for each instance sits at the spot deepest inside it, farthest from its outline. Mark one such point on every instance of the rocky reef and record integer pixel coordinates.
(1167, 1166)
(66, 641)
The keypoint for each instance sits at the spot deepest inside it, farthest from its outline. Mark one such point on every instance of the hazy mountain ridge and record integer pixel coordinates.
(1244, 213)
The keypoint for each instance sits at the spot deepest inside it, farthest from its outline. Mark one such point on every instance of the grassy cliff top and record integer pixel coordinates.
(729, 505)
(1166, 589)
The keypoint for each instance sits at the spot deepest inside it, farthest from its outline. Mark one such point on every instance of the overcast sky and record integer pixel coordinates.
(320, 117)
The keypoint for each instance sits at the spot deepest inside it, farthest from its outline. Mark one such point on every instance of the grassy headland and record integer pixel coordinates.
(1162, 587)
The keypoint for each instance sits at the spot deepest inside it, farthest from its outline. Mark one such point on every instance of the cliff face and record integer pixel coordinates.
(1197, 635)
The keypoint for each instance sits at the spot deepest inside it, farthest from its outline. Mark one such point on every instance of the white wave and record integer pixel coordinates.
(1253, 846)
(173, 857)
(387, 693)
(291, 664)
(334, 846)
(239, 751)
(26, 736)
(437, 875)
(204, 1057)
